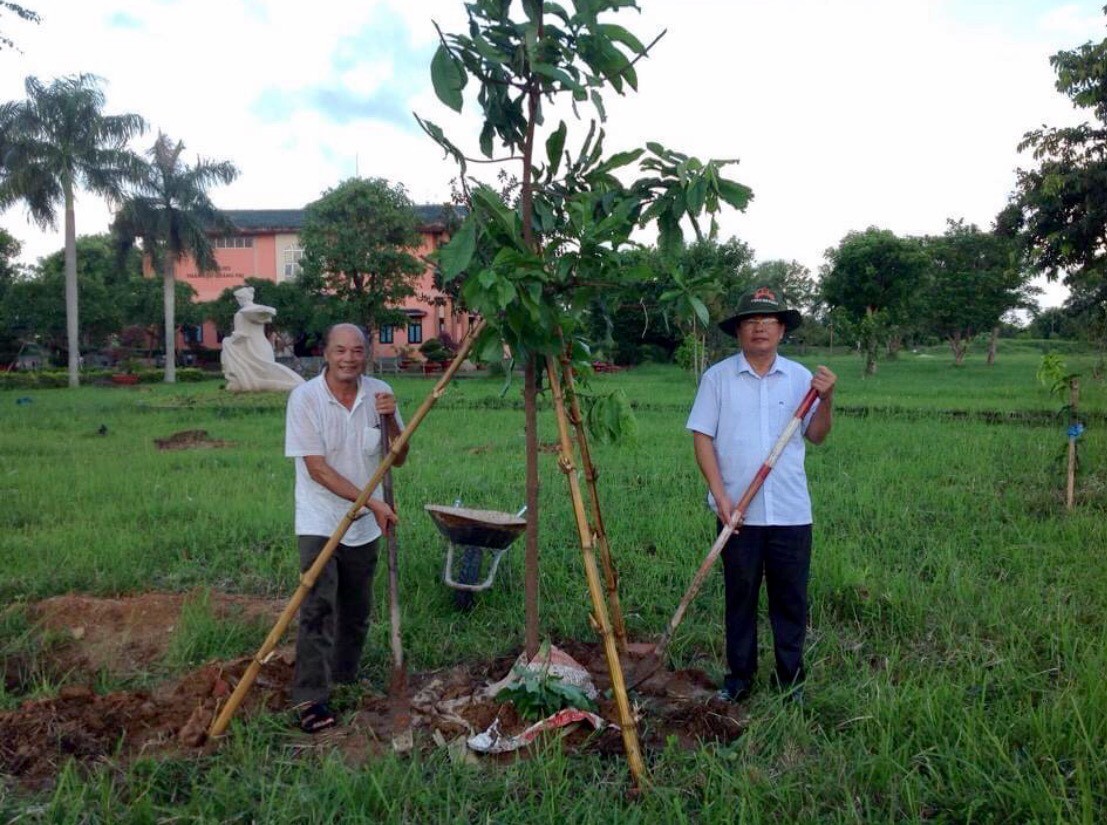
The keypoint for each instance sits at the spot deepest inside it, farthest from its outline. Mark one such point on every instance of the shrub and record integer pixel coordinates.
(434, 350)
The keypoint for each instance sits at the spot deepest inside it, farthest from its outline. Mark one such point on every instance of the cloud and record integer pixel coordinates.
(375, 73)
(123, 20)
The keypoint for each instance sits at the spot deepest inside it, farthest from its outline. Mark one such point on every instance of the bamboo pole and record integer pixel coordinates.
(1074, 399)
(531, 589)
(610, 574)
(397, 689)
(599, 617)
(308, 578)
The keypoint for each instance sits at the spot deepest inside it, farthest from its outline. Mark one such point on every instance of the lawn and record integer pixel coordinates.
(956, 648)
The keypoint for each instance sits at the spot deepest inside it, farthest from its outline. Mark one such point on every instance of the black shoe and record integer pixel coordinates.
(316, 717)
(734, 690)
(791, 690)
(794, 696)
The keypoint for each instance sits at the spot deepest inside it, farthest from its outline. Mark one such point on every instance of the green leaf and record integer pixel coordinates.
(533, 9)
(621, 35)
(597, 101)
(735, 193)
(505, 292)
(618, 160)
(694, 196)
(448, 77)
(490, 347)
(455, 256)
(486, 135)
(555, 143)
(559, 75)
(699, 308)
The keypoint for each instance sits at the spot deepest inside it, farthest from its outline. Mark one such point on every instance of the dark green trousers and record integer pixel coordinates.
(334, 618)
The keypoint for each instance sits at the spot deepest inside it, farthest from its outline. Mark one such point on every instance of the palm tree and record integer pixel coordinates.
(53, 143)
(171, 214)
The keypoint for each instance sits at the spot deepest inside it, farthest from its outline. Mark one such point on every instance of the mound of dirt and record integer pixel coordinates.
(127, 636)
(40, 736)
(189, 440)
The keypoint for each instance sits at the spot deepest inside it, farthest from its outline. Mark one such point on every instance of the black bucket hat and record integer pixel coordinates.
(762, 300)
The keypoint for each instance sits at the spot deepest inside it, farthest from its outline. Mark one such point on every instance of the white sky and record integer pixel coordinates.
(844, 113)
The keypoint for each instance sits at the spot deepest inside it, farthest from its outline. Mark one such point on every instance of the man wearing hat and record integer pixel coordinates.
(742, 406)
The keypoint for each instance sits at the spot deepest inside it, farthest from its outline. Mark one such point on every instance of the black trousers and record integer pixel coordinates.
(782, 556)
(334, 618)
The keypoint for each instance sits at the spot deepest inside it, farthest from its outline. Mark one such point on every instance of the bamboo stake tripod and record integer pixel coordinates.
(600, 617)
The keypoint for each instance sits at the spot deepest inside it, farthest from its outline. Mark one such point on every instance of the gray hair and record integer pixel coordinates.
(336, 327)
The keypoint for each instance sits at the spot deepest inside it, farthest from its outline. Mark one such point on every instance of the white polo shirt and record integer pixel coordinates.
(745, 413)
(349, 441)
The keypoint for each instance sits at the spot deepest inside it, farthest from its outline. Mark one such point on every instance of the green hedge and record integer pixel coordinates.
(51, 379)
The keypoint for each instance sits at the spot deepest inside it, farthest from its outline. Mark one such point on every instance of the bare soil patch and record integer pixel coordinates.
(129, 636)
(190, 440)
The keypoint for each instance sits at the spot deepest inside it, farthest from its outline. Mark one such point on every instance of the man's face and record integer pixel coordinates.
(345, 354)
(760, 334)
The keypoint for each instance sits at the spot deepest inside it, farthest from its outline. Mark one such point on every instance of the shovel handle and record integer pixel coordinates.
(393, 560)
(737, 516)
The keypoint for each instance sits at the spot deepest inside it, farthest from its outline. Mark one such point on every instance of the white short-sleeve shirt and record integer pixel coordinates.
(744, 414)
(348, 440)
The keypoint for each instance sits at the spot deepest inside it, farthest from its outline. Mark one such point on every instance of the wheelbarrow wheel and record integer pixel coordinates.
(468, 572)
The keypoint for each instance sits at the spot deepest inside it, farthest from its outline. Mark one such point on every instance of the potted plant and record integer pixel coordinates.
(128, 372)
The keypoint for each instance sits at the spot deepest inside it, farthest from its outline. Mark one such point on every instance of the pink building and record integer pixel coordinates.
(267, 246)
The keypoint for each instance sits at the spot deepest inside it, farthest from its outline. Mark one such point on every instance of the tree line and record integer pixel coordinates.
(876, 290)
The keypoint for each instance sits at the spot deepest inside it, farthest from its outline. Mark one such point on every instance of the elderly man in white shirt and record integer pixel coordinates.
(742, 406)
(333, 431)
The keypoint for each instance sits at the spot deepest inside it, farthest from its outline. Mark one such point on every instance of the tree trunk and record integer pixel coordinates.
(958, 346)
(530, 388)
(71, 320)
(370, 360)
(169, 296)
(992, 345)
(1074, 403)
(530, 580)
(870, 359)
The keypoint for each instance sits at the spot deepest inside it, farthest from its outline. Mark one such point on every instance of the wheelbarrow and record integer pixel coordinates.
(473, 532)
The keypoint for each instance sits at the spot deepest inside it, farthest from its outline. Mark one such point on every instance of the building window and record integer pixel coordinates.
(385, 334)
(415, 332)
(192, 333)
(293, 255)
(234, 242)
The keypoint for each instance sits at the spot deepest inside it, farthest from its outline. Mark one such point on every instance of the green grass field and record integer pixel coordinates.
(956, 654)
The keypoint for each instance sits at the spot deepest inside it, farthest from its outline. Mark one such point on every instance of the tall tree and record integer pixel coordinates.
(793, 280)
(22, 12)
(53, 143)
(108, 289)
(114, 294)
(359, 240)
(1059, 209)
(975, 277)
(170, 212)
(10, 271)
(873, 275)
(536, 261)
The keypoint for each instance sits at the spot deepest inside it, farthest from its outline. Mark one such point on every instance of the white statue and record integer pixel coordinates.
(248, 361)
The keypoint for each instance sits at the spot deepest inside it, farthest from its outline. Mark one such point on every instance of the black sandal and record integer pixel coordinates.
(317, 717)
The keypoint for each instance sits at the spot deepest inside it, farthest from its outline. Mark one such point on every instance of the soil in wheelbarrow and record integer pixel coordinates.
(119, 641)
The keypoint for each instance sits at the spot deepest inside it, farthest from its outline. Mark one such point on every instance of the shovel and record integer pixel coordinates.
(398, 713)
(655, 658)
